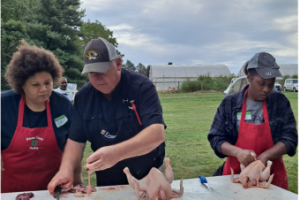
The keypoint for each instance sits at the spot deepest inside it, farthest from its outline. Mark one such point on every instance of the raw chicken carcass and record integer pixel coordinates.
(254, 175)
(155, 185)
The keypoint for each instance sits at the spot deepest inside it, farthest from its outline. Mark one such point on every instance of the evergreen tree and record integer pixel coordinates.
(148, 71)
(141, 69)
(17, 10)
(52, 26)
(12, 32)
(90, 30)
(130, 66)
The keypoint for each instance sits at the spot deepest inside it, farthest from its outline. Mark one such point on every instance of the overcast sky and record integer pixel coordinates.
(199, 31)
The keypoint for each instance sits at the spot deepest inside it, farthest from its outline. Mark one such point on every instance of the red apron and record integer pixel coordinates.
(32, 158)
(257, 138)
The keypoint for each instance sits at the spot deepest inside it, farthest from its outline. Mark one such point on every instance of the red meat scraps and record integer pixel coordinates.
(25, 196)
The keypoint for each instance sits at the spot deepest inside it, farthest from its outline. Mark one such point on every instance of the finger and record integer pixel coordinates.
(93, 158)
(94, 166)
(67, 185)
(100, 168)
(55, 182)
(51, 187)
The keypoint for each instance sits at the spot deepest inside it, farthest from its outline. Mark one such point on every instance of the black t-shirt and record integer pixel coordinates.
(59, 105)
(89, 101)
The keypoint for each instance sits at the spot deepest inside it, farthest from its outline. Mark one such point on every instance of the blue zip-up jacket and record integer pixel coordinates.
(281, 119)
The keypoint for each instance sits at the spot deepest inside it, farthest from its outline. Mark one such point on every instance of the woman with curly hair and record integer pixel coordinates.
(34, 121)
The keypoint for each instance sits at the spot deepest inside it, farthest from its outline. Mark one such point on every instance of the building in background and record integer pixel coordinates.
(166, 77)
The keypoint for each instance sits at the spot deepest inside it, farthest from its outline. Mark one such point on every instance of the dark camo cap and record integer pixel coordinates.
(265, 65)
(98, 55)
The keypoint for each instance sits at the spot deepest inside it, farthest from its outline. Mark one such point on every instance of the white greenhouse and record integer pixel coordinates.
(285, 69)
(168, 77)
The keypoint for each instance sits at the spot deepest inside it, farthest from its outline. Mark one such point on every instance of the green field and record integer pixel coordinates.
(188, 117)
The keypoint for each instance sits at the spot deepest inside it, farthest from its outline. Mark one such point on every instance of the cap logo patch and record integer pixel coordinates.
(92, 55)
(268, 73)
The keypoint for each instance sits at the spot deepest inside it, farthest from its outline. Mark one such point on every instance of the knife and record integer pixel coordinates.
(204, 182)
(57, 192)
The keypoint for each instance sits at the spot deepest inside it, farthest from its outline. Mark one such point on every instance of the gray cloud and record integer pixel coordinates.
(200, 31)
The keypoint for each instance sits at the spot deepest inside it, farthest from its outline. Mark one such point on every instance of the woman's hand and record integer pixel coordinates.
(245, 157)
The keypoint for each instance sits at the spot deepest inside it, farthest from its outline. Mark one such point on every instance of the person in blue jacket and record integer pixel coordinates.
(256, 123)
(119, 113)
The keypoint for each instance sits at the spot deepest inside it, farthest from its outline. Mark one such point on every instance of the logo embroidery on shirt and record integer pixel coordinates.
(107, 134)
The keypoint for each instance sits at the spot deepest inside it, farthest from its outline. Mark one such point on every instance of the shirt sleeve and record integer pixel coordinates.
(288, 132)
(150, 107)
(217, 134)
(77, 133)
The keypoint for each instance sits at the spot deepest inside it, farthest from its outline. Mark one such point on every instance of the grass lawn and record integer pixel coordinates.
(188, 117)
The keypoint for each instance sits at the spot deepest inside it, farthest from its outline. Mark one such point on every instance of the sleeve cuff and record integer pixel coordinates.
(290, 150)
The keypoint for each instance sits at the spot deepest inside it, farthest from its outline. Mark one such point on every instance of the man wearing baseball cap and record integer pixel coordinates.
(255, 124)
(119, 113)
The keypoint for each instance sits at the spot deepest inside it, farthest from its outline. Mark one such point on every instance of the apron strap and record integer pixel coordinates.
(265, 112)
(243, 115)
(49, 119)
(21, 112)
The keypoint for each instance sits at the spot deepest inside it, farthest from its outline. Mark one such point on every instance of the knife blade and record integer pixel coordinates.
(204, 182)
(57, 192)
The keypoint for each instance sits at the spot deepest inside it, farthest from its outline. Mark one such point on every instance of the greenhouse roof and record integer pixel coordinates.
(187, 71)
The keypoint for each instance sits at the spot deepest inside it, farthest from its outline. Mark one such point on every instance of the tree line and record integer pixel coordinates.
(55, 25)
(140, 68)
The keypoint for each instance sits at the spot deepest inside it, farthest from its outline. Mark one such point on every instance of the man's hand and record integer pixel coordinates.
(245, 157)
(64, 178)
(102, 159)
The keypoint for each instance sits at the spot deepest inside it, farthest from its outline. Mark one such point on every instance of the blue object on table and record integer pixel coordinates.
(204, 182)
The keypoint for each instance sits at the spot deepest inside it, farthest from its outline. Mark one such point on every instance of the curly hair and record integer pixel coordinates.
(28, 61)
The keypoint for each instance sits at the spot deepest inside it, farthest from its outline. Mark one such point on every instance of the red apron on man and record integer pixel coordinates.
(257, 138)
(32, 158)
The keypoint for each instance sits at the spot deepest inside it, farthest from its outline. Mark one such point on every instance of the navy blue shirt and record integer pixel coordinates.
(107, 122)
(59, 105)
(281, 119)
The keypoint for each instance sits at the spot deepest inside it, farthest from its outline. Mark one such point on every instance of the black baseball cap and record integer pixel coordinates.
(265, 65)
(98, 55)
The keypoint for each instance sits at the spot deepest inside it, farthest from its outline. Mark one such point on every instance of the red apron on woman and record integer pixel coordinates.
(32, 158)
(257, 138)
